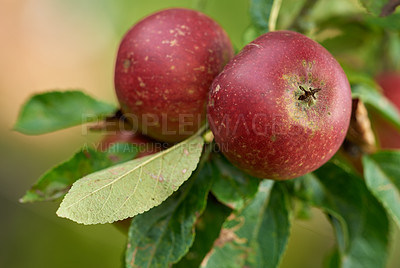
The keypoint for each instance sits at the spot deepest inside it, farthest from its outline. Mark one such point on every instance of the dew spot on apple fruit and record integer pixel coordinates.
(200, 68)
(310, 78)
(273, 138)
(141, 83)
(126, 64)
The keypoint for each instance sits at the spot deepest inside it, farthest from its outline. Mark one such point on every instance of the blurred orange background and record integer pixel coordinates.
(60, 44)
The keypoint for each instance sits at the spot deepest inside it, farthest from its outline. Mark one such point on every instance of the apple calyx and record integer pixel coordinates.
(309, 95)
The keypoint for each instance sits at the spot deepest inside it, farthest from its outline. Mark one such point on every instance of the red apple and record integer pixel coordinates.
(281, 107)
(387, 134)
(165, 66)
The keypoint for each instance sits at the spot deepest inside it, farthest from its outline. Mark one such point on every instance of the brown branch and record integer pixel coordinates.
(389, 8)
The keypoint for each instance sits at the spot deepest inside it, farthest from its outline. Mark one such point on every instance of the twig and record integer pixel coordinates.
(389, 8)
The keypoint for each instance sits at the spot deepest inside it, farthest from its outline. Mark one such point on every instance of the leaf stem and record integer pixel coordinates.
(201, 130)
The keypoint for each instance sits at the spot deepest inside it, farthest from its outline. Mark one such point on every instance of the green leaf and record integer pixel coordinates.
(359, 221)
(257, 236)
(341, 34)
(260, 11)
(374, 6)
(163, 235)
(360, 78)
(377, 101)
(131, 188)
(232, 187)
(251, 33)
(391, 22)
(208, 227)
(393, 50)
(333, 259)
(57, 110)
(382, 175)
(57, 181)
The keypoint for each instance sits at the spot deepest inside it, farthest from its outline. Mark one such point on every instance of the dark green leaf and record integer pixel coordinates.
(374, 6)
(133, 187)
(57, 110)
(208, 227)
(382, 175)
(260, 11)
(333, 259)
(342, 34)
(57, 181)
(257, 236)
(232, 187)
(352, 41)
(163, 235)
(360, 222)
(360, 78)
(251, 33)
(393, 50)
(391, 22)
(377, 101)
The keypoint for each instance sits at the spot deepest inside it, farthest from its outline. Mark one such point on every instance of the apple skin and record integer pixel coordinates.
(165, 66)
(260, 117)
(387, 134)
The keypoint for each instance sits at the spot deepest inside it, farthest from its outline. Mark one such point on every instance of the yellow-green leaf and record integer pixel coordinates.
(131, 188)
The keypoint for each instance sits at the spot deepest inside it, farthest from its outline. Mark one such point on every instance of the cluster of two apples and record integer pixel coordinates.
(278, 109)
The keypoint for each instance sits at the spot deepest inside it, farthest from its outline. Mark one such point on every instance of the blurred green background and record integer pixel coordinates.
(64, 44)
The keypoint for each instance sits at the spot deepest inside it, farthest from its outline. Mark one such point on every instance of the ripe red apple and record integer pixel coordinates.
(281, 107)
(387, 134)
(165, 66)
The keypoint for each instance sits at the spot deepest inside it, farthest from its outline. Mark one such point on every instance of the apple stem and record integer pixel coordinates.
(308, 93)
(273, 17)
